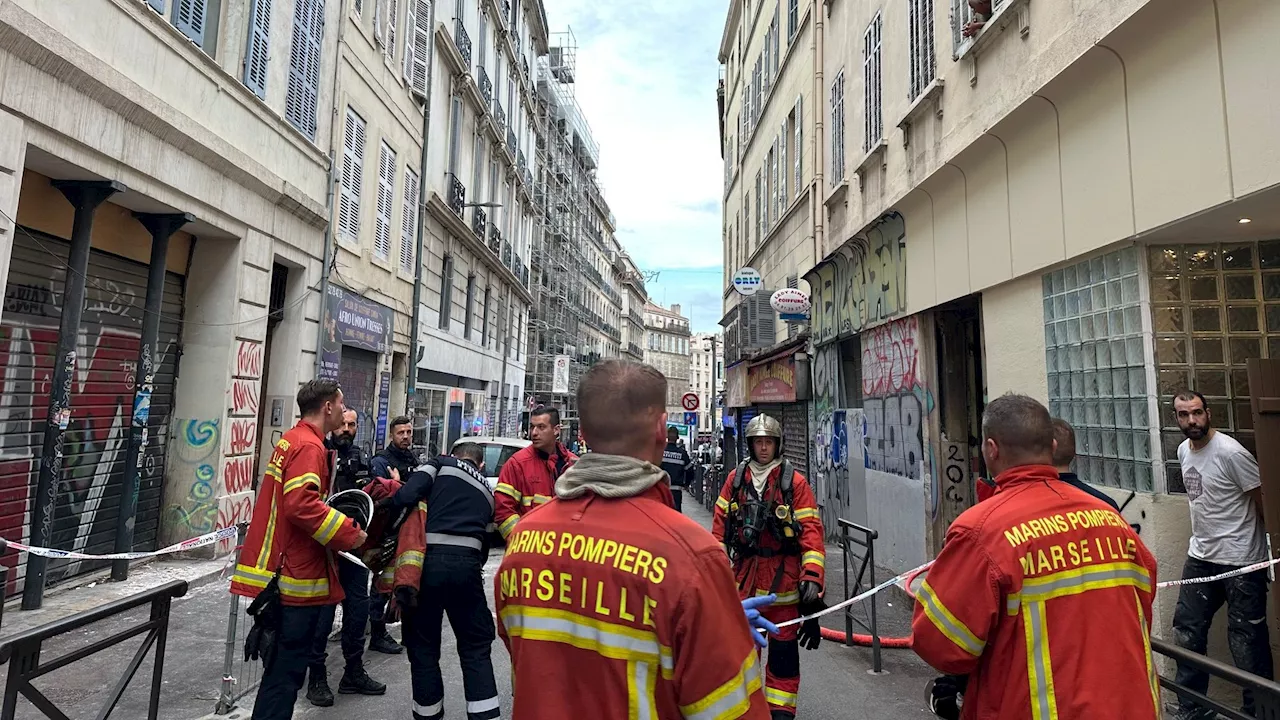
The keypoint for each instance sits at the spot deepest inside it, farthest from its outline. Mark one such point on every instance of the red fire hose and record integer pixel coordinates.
(865, 640)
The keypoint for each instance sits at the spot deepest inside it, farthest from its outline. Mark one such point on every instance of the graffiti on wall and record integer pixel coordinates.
(244, 397)
(863, 283)
(243, 436)
(828, 459)
(897, 402)
(249, 359)
(193, 505)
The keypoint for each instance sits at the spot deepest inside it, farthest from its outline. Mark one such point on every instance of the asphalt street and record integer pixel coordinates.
(836, 682)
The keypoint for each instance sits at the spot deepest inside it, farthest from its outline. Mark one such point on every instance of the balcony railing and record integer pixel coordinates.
(479, 221)
(495, 239)
(520, 164)
(515, 40)
(511, 140)
(506, 253)
(528, 178)
(506, 10)
(463, 41)
(524, 65)
(499, 115)
(486, 85)
(457, 199)
(635, 350)
(517, 265)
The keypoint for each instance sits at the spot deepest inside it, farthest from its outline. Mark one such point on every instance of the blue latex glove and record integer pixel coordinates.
(757, 621)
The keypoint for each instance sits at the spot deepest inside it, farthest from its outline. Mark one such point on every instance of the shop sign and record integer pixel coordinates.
(350, 319)
(560, 375)
(773, 381)
(735, 385)
(790, 301)
(747, 281)
(384, 403)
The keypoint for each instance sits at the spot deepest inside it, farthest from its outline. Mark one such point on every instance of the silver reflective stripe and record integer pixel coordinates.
(737, 694)
(457, 540)
(603, 639)
(1043, 699)
(428, 710)
(1031, 589)
(462, 473)
(641, 694)
(479, 706)
(958, 634)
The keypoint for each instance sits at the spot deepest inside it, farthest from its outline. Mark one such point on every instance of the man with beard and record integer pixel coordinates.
(1225, 495)
(351, 471)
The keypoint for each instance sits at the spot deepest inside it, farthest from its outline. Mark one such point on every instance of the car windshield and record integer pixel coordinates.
(495, 456)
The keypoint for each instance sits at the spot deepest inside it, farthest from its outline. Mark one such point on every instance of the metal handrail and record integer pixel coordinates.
(866, 565)
(1266, 692)
(23, 651)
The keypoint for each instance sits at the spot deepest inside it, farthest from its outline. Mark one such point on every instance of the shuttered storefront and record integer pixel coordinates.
(795, 432)
(96, 440)
(358, 376)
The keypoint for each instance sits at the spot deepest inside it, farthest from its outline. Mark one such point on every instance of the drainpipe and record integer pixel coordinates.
(819, 156)
(411, 382)
(329, 238)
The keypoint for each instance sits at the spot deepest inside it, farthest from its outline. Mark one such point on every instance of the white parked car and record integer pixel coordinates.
(497, 451)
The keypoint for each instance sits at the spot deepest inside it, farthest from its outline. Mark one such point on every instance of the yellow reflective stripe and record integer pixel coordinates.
(330, 527)
(806, 513)
(272, 471)
(786, 598)
(1152, 677)
(264, 555)
(290, 587)
(388, 574)
(411, 558)
(507, 526)
(1044, 699)
(774, 696)
(730, 700)
(508, 490)
(1095, 577)
(610, 640)
(1013, 603)
(668, 662)
(947, 623)
(422, 505)
(251, 576)
(300, 481)
(641, 681)
(813, 557)
(722, 503)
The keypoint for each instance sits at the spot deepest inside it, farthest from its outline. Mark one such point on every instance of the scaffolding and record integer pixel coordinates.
(567, 158)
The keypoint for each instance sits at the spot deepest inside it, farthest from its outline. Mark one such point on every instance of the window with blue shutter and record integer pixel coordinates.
(255, 57)
(157, 5)
(304, 66)
(189, 17)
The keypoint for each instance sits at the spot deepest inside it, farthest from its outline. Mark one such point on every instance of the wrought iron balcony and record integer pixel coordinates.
(517, 263)
(635, 350)
(528, 178)
(511, 140)
(506, 10)
(506, 253)
(524, 275)
(457, 198)
(486, 85)
(515, 40)
(479, 222)
(524, 65)
(463, 41)
(499, 115)
(495, 239)
(520, 165)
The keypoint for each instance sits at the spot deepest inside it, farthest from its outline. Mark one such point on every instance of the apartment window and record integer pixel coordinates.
(385, 27)
(782, 170)
(259, 47)
(793, 20)
(359, 5)
(417, 45)
(409, 222)
(386, 201)
(771, 189)
(775, 37)
(197, 19)
(352, 176)
(1095, 357)
(768, 60)
(962, 16)
(484, 321)
(797, 123)
(470, 311)
(924, 62)
(871, 72)
(455, 133)
(304, 67)
(837, 129)
(477, 164)
(760, 214)
(446, 291)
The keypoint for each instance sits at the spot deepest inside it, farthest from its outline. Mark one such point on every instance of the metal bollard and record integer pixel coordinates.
(226, 696)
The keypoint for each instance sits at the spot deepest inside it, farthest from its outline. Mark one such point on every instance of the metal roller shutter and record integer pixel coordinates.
(88, 499)
(795, 432)
(358, 376)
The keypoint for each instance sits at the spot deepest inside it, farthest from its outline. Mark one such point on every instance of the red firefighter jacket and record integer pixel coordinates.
(527, 480)
(1042, 595)
(617, 608)
(756, 575)
(292, 526)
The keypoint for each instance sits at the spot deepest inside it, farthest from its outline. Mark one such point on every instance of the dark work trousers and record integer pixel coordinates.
(355, 614)
(452, 583)
(283, 678)
(677, 497)
(1247, 634)
(377, 606)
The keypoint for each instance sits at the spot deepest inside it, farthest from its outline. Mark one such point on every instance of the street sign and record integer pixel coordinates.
(689, 401)
(691, 418)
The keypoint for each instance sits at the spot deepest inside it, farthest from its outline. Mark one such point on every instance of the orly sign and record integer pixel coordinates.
(747, 281)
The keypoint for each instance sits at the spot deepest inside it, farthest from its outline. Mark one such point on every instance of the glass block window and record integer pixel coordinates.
(1213, 306)
(1095, 357)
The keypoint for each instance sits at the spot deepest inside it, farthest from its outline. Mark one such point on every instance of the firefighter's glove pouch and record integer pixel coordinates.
(260, 642)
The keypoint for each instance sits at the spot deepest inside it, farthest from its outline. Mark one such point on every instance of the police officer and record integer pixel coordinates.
(351, 471)
(675, 463)
(398, 457)
(452, 510)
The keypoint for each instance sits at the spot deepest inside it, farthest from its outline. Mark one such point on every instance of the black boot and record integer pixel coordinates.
(381, 641)
(358, 682)
(318, 692)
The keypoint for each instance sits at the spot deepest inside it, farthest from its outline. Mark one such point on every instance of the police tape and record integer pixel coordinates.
(226, 533)
(907, 579)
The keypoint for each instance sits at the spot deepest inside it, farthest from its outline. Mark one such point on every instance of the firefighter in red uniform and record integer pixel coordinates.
(611, 603)
(1042, 594)
(288, 543)
(768, 520)
(528, 479)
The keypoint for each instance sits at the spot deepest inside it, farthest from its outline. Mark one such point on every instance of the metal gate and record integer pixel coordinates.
(88, 499)
(795, 432)
(358, 376)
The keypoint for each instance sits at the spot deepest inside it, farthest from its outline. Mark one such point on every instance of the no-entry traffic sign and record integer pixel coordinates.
(689, 401)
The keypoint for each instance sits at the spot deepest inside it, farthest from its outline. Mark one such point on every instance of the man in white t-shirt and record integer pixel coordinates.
(1227, 532)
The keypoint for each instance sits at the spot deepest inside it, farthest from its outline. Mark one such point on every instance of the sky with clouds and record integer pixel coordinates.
(646, 81)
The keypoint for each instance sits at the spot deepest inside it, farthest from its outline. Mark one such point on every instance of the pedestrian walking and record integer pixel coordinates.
(395, 462)
(351, 471)
(675, 463)
(528, 479)
(286, 549)
(1227, 532)
(1042, 594)
(611, 603)
(767, 519)
(439, 571)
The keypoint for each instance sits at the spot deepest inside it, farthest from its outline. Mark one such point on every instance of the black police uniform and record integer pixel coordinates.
(675, 463)
(351, 471)
(459, 512)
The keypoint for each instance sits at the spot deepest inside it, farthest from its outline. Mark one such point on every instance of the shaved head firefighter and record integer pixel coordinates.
(1042, 594)
(767, 519)
(611, 603)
